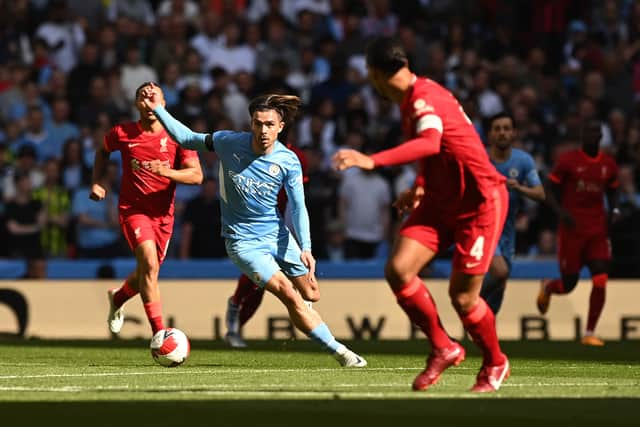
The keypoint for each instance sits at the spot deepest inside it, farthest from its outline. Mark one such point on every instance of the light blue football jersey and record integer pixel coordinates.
(522, 167)
(249, 186)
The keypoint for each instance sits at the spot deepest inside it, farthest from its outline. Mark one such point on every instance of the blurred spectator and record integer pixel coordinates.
(57, 208)
(134, 72)
(335, 241)
(25, 219)
(545, 247)
(139, 11)
(85, 70)
(64, 36)
(365, 214)
(98, 229)
(74, 172)
(186, 9)
(37, 136)
(202, 224)
(25, 164)
(59, 128)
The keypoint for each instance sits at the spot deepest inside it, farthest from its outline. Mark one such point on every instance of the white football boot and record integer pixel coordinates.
(115, 320)
(348, 358)
(232, 320)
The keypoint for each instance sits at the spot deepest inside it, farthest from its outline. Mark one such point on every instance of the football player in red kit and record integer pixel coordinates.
(579, 182)
(459, 199)
(152, 164)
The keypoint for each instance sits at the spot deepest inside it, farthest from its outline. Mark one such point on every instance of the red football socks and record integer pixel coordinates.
(596, 300)
(154, 314)
(250, 305)
(416, 301)
(480, 323)
(244, 288)
(123, 294)
(555, 287)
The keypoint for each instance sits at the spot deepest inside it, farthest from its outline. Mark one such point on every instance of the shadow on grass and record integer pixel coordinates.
(429, 412)
(617, 351)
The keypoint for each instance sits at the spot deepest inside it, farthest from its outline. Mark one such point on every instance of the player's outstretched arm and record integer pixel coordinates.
(181, 134)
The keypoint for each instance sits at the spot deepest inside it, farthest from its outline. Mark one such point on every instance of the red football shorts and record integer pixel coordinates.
(474, 234)
(138, 228)
(576, 249)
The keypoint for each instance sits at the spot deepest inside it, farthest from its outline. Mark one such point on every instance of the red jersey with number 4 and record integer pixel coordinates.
(141, 190)
(460, 176)
(584, 181)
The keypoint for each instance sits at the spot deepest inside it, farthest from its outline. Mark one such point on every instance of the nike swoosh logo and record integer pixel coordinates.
(133, 145)
(471, 264)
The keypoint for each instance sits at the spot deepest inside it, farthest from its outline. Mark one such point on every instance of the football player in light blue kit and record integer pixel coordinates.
(253, 167)
(523, 181)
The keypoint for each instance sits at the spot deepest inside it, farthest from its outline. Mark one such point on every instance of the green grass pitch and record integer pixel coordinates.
(275, 383)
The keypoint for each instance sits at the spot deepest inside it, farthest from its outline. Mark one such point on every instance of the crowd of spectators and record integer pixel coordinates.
(69, 69)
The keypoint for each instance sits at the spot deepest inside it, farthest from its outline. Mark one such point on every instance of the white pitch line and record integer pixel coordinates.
(276, 388)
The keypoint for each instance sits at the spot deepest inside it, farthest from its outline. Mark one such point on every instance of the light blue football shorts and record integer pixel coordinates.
(260, 258)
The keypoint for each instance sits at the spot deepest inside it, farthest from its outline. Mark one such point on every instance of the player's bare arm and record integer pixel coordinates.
(98, 192)
(535, 193)
(347, 158)
(190, 173)
(310, 262)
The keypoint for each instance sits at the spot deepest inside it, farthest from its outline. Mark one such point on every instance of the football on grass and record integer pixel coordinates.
(170, 347)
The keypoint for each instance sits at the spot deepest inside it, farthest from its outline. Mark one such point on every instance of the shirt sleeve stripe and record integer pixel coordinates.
(429, 121)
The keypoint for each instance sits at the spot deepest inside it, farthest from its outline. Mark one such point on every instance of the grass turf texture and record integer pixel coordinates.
(274, 383)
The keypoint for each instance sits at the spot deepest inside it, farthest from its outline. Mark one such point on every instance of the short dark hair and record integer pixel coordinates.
(285, 105)
(386, 54)
(498, 116)
(142, 86)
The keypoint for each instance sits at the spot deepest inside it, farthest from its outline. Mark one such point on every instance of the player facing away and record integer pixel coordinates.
(254, 166)
(247, 296)
(522, 181)
(464, 203)
(152, 164)
(578, 184)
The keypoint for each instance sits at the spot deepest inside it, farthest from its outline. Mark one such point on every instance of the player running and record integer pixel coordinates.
(247, 296)
(578, 184)
(253, 167)
(464, 203)
(152, 164)
(522, 181)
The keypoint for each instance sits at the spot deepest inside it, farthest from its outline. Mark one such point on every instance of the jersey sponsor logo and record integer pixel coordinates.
(249, 185)
(274, 170)
(135, 144)
(163, 145)
(421, 107)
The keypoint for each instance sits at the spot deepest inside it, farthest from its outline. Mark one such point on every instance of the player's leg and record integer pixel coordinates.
(476, 239)
(117, 298)
(150, 239)
(598, 254)
(416, 246)
(308, 320)
(148, 269)
(570, 250)
(495, 282)
(235, 304)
